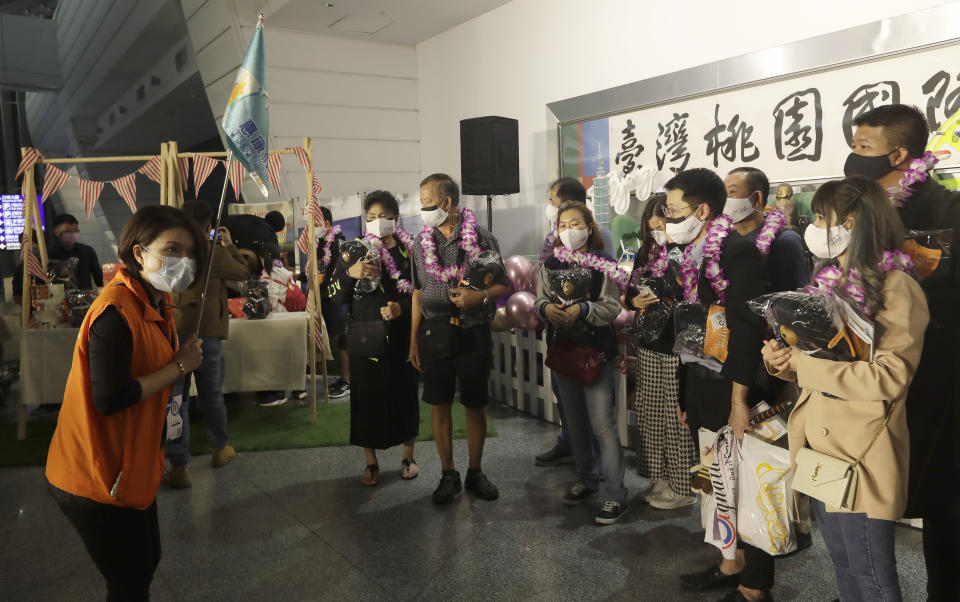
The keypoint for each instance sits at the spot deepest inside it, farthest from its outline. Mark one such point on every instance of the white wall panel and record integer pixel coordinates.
(292, 119)
(305, 51)
(345, 89)
(218, 58)
(206, 23)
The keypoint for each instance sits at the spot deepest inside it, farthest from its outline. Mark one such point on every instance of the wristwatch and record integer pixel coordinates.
(486, 298)
(180, 367)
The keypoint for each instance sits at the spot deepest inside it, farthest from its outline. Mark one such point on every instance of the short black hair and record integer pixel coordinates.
(150, 222)
(199, 211)
(276, 221)
(327, 215)
(382, 197)
(700, 185)
(446, 186)
(903, 125)
(757, 181)
(570, 189)
(65, 218)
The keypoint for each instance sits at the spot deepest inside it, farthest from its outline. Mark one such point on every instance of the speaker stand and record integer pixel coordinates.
(490, 213)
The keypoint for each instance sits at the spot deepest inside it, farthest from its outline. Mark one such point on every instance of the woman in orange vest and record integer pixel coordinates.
(106, 458)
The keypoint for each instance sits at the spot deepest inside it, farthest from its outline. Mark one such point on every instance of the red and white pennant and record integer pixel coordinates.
(202, 168)
(127, 188)
(34, 267)
(184, 172)
(273, 170)
(30, 157)
(89, 193)
(151, 169)
(53, 181)
(237, 174)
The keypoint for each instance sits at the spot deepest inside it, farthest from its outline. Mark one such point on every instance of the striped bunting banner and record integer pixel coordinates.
(237, 174)
(302, 155)
(29, 158)
(303, 243)
(53, 181)
(151, 169)
(316, 185)
(313, 208)
(317, 321)
(34, 267)
(127, 188)
(273, 171)
(184, 172)
(202, 168)
(89, 193)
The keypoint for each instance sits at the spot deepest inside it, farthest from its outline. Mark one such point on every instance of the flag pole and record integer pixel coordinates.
(213, 243)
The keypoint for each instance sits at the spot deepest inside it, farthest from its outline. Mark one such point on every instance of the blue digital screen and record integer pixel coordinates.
(11, 221)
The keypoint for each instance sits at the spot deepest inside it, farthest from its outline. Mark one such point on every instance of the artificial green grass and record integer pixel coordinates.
(251, 428)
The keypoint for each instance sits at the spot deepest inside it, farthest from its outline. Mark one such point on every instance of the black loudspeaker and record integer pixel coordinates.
(489, 156)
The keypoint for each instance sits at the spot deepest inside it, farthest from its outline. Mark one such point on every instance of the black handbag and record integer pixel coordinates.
(367, 339)
(438, 338)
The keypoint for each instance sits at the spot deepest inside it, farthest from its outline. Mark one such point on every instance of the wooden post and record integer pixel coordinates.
(29, 211)
(163, 173)
(315, 290)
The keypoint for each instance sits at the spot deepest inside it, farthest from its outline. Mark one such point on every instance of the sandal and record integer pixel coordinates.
(409, 469)
(373, 470)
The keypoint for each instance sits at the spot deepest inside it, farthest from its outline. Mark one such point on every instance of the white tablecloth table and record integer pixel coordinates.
(260, 355)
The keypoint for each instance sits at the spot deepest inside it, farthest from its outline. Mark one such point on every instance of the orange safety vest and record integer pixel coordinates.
(116, 459)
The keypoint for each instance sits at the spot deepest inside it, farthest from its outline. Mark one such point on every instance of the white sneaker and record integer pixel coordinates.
(658, 488)
(668, 500)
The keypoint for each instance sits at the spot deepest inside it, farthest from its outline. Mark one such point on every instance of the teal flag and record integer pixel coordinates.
(247, 118)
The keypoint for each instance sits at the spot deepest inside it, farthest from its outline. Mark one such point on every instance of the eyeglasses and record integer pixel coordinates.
(674, 213)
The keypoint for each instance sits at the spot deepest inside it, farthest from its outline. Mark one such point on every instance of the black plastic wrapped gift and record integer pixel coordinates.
(570, 286)
(361, 249)
(649, 324)
(257, 306)
(63, 271)
(78, 303)
(481, 272)
(810, 322)
(690, 329)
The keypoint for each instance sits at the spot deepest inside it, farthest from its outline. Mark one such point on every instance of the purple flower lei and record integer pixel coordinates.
(657, 262)
(608, 267)
(773, 223)
(915, 174)
(468, 242)
(548, 244)
(717, 232)
(404, 286)
(330, 236)
(831, 278)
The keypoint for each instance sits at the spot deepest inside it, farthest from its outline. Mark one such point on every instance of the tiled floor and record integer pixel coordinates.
(298, 525)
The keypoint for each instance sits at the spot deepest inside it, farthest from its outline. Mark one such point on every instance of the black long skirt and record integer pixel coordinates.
(384, 404)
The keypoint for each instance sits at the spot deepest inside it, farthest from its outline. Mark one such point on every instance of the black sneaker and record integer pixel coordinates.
(341, 388)
(709, 578)
(448, 489)
(611, 512)
(578, 494)
(479, 485)
(555, 457)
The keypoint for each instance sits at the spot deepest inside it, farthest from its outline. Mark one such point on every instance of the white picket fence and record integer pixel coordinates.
(520, 380)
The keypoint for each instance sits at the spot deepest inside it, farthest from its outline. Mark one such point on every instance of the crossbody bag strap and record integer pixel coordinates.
(883, 425)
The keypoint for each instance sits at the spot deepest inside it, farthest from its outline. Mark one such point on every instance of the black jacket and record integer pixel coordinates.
(743, 266)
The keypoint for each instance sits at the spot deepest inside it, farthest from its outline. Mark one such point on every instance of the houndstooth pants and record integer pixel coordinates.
(665, 449)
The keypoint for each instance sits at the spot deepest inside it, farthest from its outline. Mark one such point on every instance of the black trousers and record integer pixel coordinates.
(941, 531)
(706, 397)
(124, 543)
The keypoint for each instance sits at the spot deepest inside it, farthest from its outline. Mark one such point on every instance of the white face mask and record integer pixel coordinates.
(381, 227)
(320, 231)
(175, 275)
(827, 245)
(552, 213)
(659, 237)
(738, 209)
(433, 216)
(686, 230)
(574, 239)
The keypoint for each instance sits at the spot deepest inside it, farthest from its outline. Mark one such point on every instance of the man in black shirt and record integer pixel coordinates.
(887, 140)
(65, 244)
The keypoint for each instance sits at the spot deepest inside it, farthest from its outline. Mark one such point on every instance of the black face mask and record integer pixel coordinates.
(869, 167)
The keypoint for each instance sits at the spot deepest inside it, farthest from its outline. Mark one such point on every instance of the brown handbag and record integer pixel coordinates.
(579, 363)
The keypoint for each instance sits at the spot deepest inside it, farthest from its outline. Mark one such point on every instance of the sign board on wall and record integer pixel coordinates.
(794, 129)
(261, 209)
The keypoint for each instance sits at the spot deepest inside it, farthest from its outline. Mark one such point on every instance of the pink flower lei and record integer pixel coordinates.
(718, 231)
(831, 278)
(608, 267)
(468, 242)
(658, 262)
(548, 244)
(773, 223)
(327, 254)
(917, 173)
(404, 286)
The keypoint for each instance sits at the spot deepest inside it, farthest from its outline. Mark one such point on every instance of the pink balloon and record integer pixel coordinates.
(532, 276)
(521, 311)
(518, 268)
